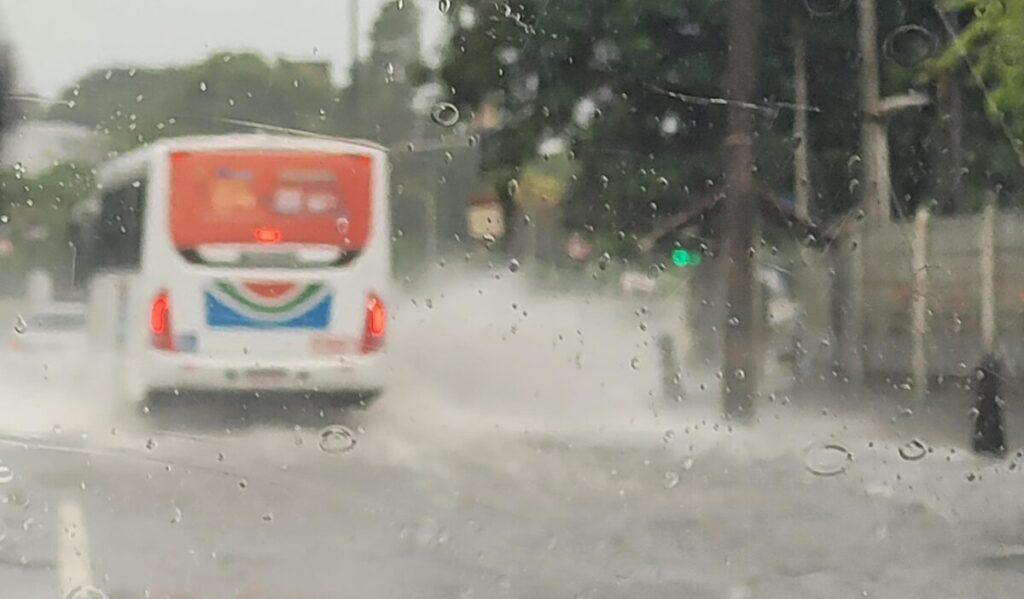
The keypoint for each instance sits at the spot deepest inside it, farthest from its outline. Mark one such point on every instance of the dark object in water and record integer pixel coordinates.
(989, 436)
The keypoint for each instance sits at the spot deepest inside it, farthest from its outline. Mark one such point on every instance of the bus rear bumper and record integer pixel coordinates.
(168, 371)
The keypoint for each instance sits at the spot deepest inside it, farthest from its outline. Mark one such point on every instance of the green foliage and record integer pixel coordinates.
(135, 106)
(993, 43)
(601, 74)
(36, 211)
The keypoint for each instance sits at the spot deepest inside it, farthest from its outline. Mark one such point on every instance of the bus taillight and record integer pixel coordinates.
(267, 235)
(160, 321)
(376, 317)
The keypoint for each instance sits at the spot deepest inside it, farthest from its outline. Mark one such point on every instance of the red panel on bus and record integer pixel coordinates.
(257, 197)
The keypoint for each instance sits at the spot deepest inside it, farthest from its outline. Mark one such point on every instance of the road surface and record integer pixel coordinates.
(523, 451)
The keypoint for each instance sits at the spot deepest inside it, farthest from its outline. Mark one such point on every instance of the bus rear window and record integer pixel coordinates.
(265, 203)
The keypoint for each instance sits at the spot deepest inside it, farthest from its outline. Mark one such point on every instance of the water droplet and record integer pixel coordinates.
(86, 592)
(243, 484)
(604, 182)
(668, 436)
(634, 363)
(734, 321)
(662, 182)
(513, 265)
(513, 187)
(687, 464)
(6, 474)
(671, 480)
(268, 517)
(20, 326)
(739, 374)
(342, 224)
(991, 9)
(150, 444)
(202, 86)
(909, 45)
(827, 459)
(913, 450)
(337, 439)
(826, 8)
(444, 6)
(854, 185)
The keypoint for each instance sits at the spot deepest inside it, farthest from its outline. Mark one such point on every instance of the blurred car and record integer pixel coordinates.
(49, 331)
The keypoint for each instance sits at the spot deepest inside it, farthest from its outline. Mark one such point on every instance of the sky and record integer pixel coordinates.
(57, 41)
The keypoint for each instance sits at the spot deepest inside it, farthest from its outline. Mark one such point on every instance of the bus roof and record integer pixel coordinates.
(135, 163)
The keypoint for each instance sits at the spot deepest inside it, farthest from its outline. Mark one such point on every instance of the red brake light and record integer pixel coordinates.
(267, 235)
(376, 319)
(160, 321)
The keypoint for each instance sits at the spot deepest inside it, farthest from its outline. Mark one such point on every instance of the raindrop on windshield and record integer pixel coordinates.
(86, 592)
(662, 182)
(909, 45)
(913, 450)
(444, 114)
(513, 265)
(6, 474)
(150, 444)
(202, 86)
(634, 363)
(337, 439)
(513, 187)
(826, 8)
(827, 459)
(20, 326)
(342, 224)
(444, 5)
(991, 8)
(671, 480)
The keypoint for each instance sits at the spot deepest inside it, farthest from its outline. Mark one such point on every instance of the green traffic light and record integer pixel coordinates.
(683, 257)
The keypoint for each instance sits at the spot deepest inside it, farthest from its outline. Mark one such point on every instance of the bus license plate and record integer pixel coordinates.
(267, 375)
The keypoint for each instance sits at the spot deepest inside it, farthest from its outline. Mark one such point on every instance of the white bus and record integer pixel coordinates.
(238, 263)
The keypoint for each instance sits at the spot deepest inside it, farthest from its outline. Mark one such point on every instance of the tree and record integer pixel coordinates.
(134, 106)
(993, 44)
(378, 101)
(36, 212)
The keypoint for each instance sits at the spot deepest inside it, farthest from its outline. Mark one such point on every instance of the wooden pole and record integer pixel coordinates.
(740, 210)
(919, 303)
(801, 168)
(987, 268)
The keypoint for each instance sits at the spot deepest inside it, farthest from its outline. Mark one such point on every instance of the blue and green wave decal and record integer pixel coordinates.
(262, 305)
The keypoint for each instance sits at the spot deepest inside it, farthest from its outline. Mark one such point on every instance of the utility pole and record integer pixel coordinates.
(876, 186)
(740, 374)
(801, 134)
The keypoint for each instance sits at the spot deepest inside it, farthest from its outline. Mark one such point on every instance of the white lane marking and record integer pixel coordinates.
(73, 566)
